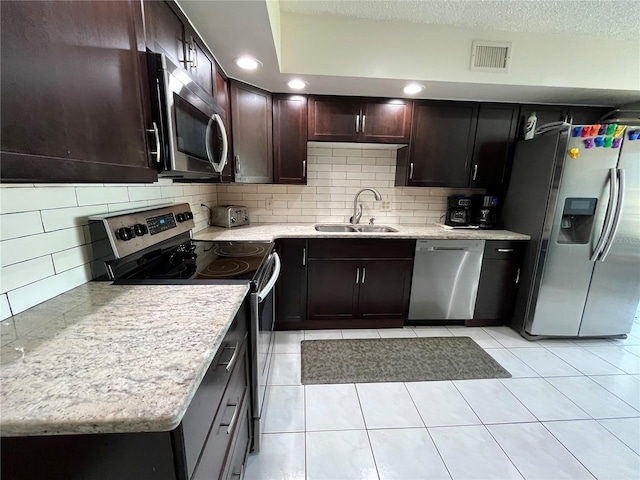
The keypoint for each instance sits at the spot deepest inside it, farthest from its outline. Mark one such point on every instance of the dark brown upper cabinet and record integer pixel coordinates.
(75, 100)
(169, 32)
(289, 139)
(441, 147)
(251, 131)
(354, 119)
(492, 151)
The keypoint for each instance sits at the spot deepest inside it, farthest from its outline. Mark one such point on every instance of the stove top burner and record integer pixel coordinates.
(225, 267)
(239, 250)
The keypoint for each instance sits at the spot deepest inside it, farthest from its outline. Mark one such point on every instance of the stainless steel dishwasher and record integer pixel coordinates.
(445, 279)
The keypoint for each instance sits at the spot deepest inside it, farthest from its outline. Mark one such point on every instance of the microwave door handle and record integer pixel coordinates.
(262, 294)
(218, 167)
(607, 217)
(618, 216)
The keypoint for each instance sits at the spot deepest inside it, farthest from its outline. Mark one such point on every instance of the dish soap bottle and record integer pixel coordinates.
(530, 128)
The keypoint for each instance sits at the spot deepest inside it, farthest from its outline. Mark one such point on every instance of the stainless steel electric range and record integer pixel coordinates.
(154, 246)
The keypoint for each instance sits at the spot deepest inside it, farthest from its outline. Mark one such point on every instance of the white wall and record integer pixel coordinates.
(44, 239)
(315, 44)
(334, 175)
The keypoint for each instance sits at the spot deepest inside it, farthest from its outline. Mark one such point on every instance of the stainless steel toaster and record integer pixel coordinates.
(229, 216)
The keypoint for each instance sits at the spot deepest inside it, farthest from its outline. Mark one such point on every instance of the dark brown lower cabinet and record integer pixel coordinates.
(358, 283)
(291, 289)
(499, 279)
(210, 443)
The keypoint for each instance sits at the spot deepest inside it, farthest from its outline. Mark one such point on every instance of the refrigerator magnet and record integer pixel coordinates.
(574, 153)
(588, 143)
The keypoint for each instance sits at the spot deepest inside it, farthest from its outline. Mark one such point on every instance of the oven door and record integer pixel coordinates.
(262, 334)
(191, 138)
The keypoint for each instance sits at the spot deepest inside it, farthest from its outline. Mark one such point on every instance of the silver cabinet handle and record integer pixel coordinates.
(233, 358)
(357, 122)
(237, 165)
(475, 172)
(518, 276)
(364, 119)
(193, 54)
(156, 134)
(304, 255)
(411, 171)
(504, 250)
(364, 274)
(234, 418)
(304, 168)
(357, 274)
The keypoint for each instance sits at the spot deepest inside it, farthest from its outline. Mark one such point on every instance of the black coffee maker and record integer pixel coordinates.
(485, 211)
(458, 211)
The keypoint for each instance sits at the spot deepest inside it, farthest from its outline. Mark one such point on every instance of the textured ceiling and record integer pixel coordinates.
(598, 18)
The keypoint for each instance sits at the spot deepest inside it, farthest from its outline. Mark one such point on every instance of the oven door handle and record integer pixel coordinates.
(262, 294)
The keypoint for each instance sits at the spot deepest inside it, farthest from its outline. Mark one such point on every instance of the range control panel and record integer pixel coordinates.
(134, 230)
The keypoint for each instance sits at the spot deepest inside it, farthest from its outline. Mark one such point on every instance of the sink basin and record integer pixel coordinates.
(352, 228)
(375, 228)
(335, 228)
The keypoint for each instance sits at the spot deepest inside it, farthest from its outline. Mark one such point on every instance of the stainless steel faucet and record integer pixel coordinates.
(356, 215)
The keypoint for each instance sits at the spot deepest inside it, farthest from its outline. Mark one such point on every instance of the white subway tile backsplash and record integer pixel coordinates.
(70, 217)
(25, 248)
(72, 257)
(360, 161)
(332, 160)
(95, 196)
(5, 309)
(172, 191)
(23, 273)
(347, 152)
(26, 297)
(29, 199)
(144, 193)
(16, 225)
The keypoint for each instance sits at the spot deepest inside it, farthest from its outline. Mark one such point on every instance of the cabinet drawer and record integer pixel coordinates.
(361, 248)
(198, 417)
(225, 424)
(234, 468)
(503, 249)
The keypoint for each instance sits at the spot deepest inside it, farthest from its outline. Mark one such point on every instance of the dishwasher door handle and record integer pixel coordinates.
(437, 249)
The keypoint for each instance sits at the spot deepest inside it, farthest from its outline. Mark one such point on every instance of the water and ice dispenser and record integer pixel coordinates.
(577, 220)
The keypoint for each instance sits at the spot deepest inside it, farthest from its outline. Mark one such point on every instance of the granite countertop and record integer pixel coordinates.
(103, 358)
(272, 231)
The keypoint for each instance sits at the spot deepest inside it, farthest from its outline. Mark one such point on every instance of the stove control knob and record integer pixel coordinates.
(125, 234)
(246, 218)
(180, 217)
(140, 229)
(233, 219)
(188, 215)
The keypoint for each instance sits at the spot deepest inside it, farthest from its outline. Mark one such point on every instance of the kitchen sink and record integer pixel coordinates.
(354, 228)
(375, 228)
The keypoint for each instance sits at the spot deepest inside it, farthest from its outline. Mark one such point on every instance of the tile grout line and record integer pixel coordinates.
(567, 448)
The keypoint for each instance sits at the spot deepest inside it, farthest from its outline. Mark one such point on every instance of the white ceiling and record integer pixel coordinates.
(234, 27)
(603, 18)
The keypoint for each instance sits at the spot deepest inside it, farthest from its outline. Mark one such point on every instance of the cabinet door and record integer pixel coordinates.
(291, 289)
(332, 289)
(544, 114)
(587, 115)
(290, 139)
(201, 67)
(385, 120)
(495, 134)
(384, 289)
(166, 31)
(75, 100)
(334, 119)
(441, 145)
(251, 125)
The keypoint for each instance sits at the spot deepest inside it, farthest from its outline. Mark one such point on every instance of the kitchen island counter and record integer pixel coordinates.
(106, 358)
(272, 231)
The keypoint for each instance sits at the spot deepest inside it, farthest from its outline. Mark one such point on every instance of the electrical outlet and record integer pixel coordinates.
(268, 203)
(385, 206)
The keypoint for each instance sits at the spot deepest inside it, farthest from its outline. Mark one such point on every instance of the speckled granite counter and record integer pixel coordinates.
(103, 358)
(268, 232)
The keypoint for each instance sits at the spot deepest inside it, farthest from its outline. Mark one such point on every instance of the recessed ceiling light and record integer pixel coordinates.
(248, 63)
(297, 84)
(413, 88)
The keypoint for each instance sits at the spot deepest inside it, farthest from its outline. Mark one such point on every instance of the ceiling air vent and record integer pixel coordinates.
(490, 56)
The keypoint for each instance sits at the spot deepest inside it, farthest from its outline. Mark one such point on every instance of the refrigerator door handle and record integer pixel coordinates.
(606, 226)
(617, 217)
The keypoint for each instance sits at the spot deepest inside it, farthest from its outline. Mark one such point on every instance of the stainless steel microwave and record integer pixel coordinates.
(188, 126)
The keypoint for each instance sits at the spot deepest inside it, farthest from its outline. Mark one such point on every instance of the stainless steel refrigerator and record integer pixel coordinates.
(576, 191)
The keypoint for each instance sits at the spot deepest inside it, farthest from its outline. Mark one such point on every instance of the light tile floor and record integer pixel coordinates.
(571, 410)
